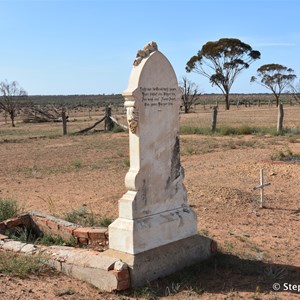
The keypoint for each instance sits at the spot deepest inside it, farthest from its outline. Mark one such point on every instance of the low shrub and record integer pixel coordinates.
(83, 217)
(20, 265)
(8, 209)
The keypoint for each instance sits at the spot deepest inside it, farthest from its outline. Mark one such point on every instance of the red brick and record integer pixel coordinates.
(41, 223)
(81, 232)
(121, 275)
(67, 231)
(44, 228)
(82, 241)
(95, 234)
(52, 225)
(123, 285)
(39, 220)
(14, 222)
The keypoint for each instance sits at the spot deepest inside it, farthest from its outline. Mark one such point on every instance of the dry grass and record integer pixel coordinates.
(63, 174)
(21, 265)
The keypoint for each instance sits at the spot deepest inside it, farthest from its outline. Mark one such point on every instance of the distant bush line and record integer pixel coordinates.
(117, 99)
(76, 100)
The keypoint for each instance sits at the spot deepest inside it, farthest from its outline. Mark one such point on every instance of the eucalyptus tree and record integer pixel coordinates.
(222, 61)
(274, 77)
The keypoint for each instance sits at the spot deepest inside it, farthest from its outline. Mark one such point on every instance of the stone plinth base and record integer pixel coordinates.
(140, 235)
(165, 260)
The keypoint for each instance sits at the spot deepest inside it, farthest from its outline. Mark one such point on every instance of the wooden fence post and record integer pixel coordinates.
(214, 118)
(108, 123)
(64, 120)
(280, 118)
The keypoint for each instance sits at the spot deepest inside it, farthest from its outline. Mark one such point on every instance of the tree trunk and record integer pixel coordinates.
(280, 118)
(227, 104)
(277, 100)
(12, 117)
(186, 109)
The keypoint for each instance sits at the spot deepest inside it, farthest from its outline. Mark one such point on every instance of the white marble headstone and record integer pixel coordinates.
(154, 211)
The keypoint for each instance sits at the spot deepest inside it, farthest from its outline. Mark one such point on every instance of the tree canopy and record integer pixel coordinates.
(189, 93)
(274, 77)
(10, 95)
(295, 91)
(222, 61)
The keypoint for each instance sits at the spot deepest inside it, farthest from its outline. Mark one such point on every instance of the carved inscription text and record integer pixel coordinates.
(158, 96)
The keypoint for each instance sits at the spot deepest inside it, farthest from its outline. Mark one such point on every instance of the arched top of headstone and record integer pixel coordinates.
(150, 68)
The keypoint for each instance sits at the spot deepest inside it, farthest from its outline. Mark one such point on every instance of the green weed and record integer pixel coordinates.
(117, 129)
(189, 150)
(105, 222)
(21, 234)
(173, 289)
(145, 292)
(76, 216)
(77, 164)
(84, 217)
(49, 240)
(21, 265)
(184, 129)
(126, 163)
(285, 155)
(242, 130)
(8, 209)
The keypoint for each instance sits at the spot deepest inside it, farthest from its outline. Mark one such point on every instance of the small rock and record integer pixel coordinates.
(28, 248)
(119, 265)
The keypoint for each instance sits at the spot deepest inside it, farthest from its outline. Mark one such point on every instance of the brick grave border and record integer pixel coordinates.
(92, 237)
(89, 264)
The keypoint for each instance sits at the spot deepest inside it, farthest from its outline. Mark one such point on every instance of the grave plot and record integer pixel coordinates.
(156, 233)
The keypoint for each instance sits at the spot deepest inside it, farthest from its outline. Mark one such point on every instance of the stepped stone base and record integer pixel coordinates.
(165, 260)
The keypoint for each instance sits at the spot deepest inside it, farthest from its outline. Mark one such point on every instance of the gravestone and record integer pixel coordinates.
(156, 232)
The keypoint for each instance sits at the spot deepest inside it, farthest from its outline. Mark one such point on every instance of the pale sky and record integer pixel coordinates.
(54, 47)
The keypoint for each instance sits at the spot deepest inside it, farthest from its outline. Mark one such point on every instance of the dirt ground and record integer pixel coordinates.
(259, 247)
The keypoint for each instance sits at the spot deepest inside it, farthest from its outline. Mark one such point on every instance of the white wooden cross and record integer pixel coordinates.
(261, 187)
